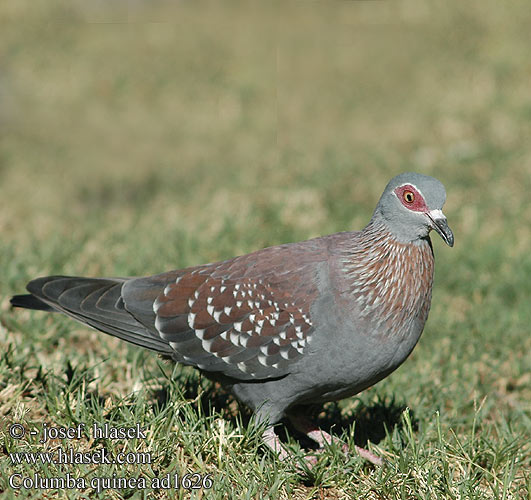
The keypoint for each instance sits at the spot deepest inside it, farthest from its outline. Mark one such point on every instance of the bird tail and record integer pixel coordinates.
(97, 302)
(29, 301)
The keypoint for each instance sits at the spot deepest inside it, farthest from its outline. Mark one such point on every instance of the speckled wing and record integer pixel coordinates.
(247, 318)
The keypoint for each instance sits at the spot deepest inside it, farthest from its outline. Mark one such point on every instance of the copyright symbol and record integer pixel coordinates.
(17, 431)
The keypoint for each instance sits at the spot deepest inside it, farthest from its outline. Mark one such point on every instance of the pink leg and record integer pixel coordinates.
(271, 439)
(321, 437)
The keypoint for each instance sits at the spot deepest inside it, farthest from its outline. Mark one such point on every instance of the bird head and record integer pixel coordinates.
(411, 206)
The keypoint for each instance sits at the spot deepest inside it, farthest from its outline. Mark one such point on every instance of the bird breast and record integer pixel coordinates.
(374, 316)
(390, 284)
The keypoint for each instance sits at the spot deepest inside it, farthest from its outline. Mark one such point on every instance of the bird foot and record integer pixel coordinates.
(271, 439)
(310, 461)
(371, 457)
(321, 438)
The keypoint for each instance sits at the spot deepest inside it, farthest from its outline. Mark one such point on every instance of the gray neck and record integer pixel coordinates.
(402, 230)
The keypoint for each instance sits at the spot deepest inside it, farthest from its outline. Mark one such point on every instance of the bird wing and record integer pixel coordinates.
(247, 318)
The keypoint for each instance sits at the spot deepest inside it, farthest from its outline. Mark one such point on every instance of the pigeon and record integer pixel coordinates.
(287, 326)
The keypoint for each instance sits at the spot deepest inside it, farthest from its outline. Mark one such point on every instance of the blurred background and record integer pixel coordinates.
(138, 138)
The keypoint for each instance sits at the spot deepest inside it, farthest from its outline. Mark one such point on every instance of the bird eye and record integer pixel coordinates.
(409, 197)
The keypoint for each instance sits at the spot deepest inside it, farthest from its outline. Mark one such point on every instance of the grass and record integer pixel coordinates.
(152, 138)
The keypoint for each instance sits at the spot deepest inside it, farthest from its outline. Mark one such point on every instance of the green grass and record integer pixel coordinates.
(152, 138)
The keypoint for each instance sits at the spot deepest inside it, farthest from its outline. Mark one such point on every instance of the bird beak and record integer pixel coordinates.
(440, 224)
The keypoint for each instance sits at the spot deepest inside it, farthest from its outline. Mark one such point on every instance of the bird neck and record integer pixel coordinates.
(387, 279)
(404, 231)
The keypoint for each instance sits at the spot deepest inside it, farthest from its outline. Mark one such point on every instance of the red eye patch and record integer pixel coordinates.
(411, 198)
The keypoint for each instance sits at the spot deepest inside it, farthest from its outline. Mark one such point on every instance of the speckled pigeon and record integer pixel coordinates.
(286, 326)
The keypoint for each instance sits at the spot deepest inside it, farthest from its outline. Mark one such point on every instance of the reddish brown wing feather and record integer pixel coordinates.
(247, 317)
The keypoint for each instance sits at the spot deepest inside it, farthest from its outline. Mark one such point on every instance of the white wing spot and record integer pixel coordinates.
(207, 344)
(234, 338)
(264, 349)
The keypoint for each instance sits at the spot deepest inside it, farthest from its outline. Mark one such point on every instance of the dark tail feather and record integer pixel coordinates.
(30, 302)
(98, 302)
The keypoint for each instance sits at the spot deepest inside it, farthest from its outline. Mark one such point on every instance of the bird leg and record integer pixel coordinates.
(321, 437)
(271, 439)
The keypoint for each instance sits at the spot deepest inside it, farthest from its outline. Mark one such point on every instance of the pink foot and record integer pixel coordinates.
(371, 457)
(271, 439)
(321, 437)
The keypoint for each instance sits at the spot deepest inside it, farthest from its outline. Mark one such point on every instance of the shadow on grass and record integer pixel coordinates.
(371, 422)
(206, 397)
